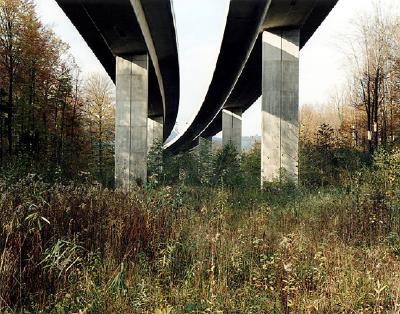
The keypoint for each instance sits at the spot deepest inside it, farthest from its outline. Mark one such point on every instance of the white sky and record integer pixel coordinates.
(200, 26)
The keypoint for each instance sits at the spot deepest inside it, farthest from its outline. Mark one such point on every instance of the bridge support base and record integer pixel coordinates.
(232, 128)
(131, 121)
(155, 131)
(280, 106)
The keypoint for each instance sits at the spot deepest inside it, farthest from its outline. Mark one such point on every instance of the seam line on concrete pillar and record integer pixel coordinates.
(280, 111)
(231, 133)
(130, 122)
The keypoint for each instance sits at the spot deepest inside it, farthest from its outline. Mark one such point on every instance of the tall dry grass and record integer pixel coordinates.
(84, 249)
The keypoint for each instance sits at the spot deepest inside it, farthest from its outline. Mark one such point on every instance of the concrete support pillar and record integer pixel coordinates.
(155, 131)
(280, 105)
(131, 121)
(232, 128)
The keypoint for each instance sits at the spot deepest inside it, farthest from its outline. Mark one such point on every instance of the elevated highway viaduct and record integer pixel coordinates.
(259, 56)
(135, 41)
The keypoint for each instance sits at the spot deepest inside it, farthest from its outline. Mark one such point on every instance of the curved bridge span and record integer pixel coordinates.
(259, 57)
(135, 40)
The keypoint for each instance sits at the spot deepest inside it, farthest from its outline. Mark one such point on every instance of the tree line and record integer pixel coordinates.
(364, 116)
(51, 118)
(376, 78)
(375, 90)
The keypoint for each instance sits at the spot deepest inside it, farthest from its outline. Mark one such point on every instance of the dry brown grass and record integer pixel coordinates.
(77, 248)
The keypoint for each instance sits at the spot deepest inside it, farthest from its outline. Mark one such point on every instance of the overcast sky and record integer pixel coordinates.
(200, 26)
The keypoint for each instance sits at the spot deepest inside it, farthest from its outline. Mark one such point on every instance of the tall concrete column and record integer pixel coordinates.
(232, 128)
(131, 121)
(280, 105)
(155, 131)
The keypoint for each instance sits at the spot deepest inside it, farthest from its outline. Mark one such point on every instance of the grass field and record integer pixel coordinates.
(82, 249)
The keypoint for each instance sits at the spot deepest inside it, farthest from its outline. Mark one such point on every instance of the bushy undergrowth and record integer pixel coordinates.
(183, 249)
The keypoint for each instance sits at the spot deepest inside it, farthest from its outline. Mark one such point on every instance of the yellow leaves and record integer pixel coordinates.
(164, 310)
(288, 267)
(380, 288)
(285, 243)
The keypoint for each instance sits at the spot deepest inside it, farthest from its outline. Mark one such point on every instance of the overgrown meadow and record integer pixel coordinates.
(207, 240)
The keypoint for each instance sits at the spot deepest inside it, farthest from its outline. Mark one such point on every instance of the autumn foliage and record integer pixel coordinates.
(51, 118)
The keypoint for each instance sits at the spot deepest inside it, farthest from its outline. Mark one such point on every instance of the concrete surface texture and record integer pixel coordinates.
(131, 122)
(232, 128)
(155, 131)
(280, 105)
